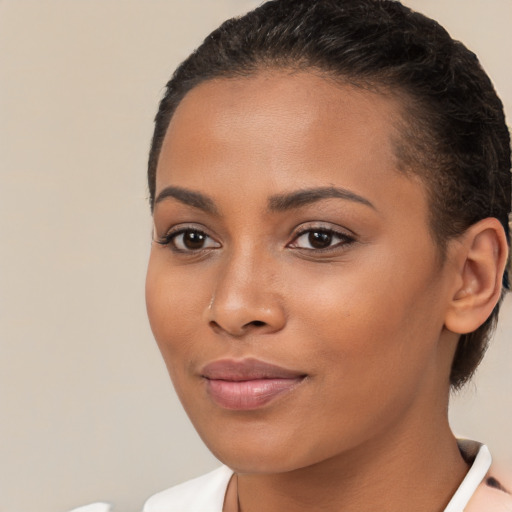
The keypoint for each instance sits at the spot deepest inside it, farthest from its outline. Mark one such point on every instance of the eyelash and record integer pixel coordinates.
(169, 240)
(345, 239)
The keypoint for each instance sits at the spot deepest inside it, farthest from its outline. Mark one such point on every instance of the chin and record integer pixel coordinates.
(264, 455)
(261, 463)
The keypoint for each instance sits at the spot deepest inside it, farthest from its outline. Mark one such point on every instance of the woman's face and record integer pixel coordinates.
(296, 294)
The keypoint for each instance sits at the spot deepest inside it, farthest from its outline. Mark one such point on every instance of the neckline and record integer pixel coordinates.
(479, 458)
(481, 462)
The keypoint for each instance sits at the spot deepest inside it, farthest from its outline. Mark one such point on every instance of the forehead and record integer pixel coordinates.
(284, 104)
(281, 130)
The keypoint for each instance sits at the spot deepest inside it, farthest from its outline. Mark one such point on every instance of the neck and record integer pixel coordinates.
(395, 472)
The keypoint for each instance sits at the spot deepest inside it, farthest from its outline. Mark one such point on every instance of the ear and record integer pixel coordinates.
(480, 256)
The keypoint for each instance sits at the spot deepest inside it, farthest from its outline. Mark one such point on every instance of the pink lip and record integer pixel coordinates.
(247, 384)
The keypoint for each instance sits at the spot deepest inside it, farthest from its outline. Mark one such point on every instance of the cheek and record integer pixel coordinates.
(370, 350)
(371, 317)
(174, 304)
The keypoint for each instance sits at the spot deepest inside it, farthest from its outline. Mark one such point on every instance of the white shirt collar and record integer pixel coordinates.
(478, 470)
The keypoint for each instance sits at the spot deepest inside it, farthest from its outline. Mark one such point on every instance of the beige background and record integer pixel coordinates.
(86, 409)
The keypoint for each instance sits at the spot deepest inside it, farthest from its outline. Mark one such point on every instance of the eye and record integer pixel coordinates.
(320, 239)
(188, 240)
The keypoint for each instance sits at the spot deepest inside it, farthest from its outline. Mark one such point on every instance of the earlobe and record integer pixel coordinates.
(481, 256)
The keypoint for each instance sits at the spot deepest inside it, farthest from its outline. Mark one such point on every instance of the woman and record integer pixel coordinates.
(330, 186)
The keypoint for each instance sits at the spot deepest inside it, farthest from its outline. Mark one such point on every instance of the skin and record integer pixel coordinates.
(364, 320)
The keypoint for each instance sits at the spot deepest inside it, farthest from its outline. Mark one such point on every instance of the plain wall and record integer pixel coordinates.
(86, 408)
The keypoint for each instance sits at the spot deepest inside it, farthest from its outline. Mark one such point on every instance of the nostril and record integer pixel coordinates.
(257, 323)
(237, 331)
(214, 324)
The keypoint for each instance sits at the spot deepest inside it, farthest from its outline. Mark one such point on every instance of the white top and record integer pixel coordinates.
(472, 480)
(203, 494)
(206, 493)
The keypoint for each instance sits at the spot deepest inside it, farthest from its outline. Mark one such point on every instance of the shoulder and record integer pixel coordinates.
(484, 488)
(494, 494)
(205, 494)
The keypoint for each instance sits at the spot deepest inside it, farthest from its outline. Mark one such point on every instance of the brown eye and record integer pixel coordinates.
(319, 239)
(193, 240)
(190, 240)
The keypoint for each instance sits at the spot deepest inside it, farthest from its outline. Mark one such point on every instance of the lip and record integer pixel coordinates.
(247, 384)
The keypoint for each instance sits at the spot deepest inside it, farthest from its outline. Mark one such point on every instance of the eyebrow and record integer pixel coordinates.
(304, 197)
(277, 203)
(188, 197)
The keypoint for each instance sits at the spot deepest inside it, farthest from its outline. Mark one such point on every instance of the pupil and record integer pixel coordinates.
(193, 240)
(320, 239)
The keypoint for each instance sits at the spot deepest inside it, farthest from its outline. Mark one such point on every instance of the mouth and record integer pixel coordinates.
(248, 384)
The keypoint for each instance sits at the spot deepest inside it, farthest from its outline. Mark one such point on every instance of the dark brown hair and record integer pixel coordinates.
(453, 136)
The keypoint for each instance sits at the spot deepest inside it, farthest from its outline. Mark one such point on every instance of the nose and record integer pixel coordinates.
(246, 299)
